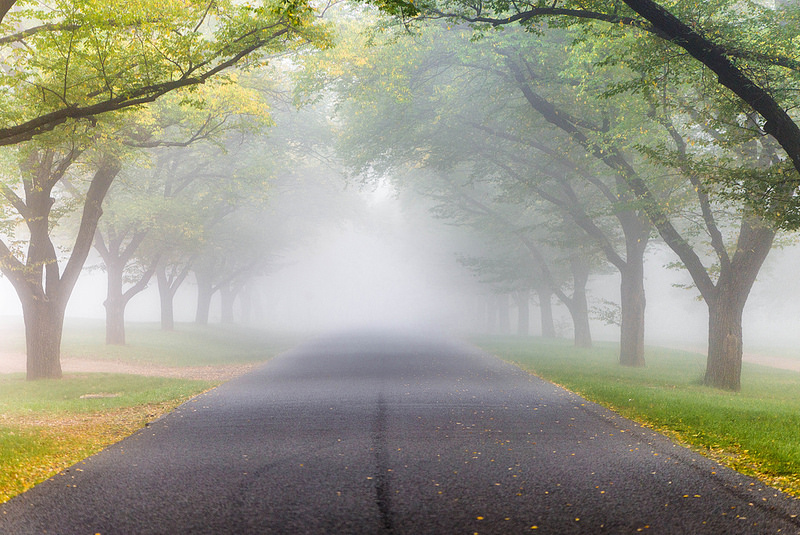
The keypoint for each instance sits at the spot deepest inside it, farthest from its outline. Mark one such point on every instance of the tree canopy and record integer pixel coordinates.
(73, 60)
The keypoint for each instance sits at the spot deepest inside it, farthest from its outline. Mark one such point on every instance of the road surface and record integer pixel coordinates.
(386, 434)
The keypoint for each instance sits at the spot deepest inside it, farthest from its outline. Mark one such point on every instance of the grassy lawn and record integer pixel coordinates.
(755, 431)
(146, 343)
(187, 345)
(46, 426)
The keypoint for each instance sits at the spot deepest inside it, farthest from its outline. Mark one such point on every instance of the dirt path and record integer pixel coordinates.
(774, 362)
(781, 363)
(15, 363)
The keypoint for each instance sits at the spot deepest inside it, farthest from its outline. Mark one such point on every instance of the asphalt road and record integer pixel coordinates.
(387, 434)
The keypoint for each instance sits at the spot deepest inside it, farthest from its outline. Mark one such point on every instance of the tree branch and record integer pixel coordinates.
(5, 6)
(142, 95)
(92, 210)
(611, 157)
(141, 284)
(778, 122)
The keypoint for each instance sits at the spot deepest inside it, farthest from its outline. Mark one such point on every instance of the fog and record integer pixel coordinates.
(378, 272)
(388, 266)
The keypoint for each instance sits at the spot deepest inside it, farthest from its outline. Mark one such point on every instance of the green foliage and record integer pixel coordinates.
(78, 59)
(662, 76)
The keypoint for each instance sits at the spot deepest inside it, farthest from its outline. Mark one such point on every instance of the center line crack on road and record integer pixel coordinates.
(381, 467)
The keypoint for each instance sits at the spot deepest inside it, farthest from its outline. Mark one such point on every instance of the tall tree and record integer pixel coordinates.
(43, 288)
(75, 62)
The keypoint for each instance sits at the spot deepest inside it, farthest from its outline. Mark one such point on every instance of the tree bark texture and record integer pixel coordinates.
(632, 307)
(726, 304)
(724, 364)
(44, 324)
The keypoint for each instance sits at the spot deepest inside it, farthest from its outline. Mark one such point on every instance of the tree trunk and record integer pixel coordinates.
(42, 290)
(579, 308)
(523, 301)
(632, 305)
(726, 304)
(114, 305)
(205, 291)
(724, 364)
(227, 299)
(165, 295)
(115, 322)
(44, 323)
(548, 326)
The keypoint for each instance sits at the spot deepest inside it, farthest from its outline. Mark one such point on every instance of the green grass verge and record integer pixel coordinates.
(755, 431)
(46, 426)
(187, 345)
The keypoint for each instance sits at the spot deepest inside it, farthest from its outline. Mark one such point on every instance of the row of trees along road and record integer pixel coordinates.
(616, 127)
(74, 82)
(622, 118)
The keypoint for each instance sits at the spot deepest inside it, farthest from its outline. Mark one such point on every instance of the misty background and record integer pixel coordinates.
(388, 266)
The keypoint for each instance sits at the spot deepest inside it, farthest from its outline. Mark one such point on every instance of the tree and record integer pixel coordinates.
(77, 60)
(462, 86)
(654, 189)
(746, 45)
(624, 105)
(745, 152)
(206, 118)
(42, 288)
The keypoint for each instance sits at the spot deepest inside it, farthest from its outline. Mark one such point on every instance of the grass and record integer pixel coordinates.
(755, 431)
(46, 426)
(188, 345)
(146, 343)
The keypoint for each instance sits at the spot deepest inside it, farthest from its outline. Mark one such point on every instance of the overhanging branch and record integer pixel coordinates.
(143, 95)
